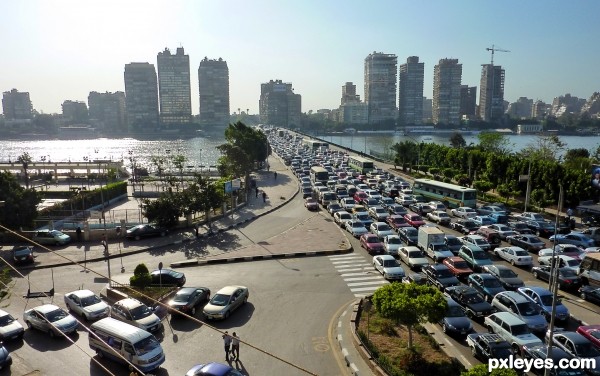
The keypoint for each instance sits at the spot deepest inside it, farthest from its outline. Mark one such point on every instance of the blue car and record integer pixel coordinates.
(486, 284)
(482, 220)
(575, 238)
(543, 298)
(456, 321)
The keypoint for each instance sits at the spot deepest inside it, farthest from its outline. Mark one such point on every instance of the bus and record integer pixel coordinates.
(360, 164)
(318, 173)
(314, 145)
(451, 195)
(589, 269)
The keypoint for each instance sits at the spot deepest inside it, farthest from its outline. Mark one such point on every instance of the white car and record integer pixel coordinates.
(503, 230)
(86, 304)
(476, 240)
(564, 262)
(50, 319)
(381, 229)
(405, 199)
(514, 255)
(439, 216)
(464, 212)
(413, 257)
(347, 203)
(356, 228)
(391, 244)
(388, 267)
(561, 249)
(10, 328)
(341, 217)
(225, 301)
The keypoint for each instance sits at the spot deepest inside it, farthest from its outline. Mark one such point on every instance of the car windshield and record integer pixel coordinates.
(444, 273)
(573, 262)
(57, 314)
(521, 329)
(586, 350)
(394, 241)
(357, 224)
(411, 231)
(491, 282)
(454, 311)
(55, 233)
(470, 224)
(547, 300)
(528, 309)
(362, 216)
(6, 320)
(453, 241)
(480, 256)
(140, 312)
(90, 300)
(220, 300)
(567, 273)
(501, 352)
(372, 239)
(461, 265)
(521, 253)
(507, 273)
(22, 252)
(415, 254)
(480, 241)
(533, 239)
(182, 297)
(442, 215)
(472, 298)
(390, 263)
(146, 345)
(383, 228)
(415, 218)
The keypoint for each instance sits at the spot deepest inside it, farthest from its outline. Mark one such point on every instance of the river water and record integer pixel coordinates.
(201, 151)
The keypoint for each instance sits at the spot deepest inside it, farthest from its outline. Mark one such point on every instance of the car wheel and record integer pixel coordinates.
(535, 275)
(226, 314)
(516, 349)
(512, 262)
(193, 311)
(51, 333)
(28, 324)
(100, 354)
(538, 233)
(489, 329)
(137, 237)
(470, 314)
(444, 328)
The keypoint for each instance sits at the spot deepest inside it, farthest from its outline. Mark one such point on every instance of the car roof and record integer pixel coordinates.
(484, 275)
(538, 290)
(129, 303)
(509, 318)
(573, 336)
(46, 308)
(386, 257)
(518, 298)
(81, 293)
(228, 290)
(439, 266)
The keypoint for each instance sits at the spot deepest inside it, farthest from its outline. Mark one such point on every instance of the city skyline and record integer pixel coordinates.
(63, 50)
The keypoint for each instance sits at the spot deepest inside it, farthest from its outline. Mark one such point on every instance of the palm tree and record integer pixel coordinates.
(25, 159)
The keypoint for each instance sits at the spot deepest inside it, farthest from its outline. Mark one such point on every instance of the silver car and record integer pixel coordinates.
(225, 301)
(10, 328)
(86, 304)
(50, 319)
(51, 237)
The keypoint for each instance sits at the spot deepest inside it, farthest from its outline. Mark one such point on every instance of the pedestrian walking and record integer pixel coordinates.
(264, 196)
(196, 227)
(227, 344)
(78, 232)
(275, 174)
(235, 347)
(256, 190)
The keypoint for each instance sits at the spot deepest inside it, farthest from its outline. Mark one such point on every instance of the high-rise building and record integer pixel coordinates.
(141, 96)
(381, 74)
(75, 112)
(427, 110)
(410, 95)
(521, 109)
(16, 105)
(468, 101)
(174, 88)
(279, 105)
(349, 93)
(213, 87)
(352, 110)
(491, 93)
(540, 110)
(447, 75)
(107, 111)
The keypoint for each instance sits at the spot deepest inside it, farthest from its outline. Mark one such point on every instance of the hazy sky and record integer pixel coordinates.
(61, 50)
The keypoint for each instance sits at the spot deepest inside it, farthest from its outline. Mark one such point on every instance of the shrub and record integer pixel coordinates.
(141, 276)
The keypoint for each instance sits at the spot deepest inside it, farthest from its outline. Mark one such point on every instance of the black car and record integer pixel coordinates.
(530, 243)
(464, 226)
(22, 255)
(455, 321)
(167, 277)
(440, 276)
(567, 277)
(591, 294)
(409, 235)
(507, 277)
(557, 354)
(474, 305)
(146, 230)
(187, 299)
(520, 227)
(487, 346)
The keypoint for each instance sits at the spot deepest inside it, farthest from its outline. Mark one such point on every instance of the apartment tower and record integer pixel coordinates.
(174, 88)
(16, 105)
(447, 75)
(279, 105)
(213, 88)
(410, 94)
(141, 96)
(107, 111)
(491, 95)
(381, 74)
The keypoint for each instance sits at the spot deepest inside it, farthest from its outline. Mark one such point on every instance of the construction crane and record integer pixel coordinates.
(494, 49)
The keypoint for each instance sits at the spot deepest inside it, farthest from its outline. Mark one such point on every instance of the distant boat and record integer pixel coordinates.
(350, 130)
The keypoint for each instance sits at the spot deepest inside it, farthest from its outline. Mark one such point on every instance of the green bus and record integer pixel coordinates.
(451, 195)
(360, 164)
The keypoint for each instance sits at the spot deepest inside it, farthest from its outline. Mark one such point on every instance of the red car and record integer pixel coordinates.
(396, 221)
(592, 333)
(458, 266)
(360, 196)
(371, 243)
(414, 220)
(311, 204)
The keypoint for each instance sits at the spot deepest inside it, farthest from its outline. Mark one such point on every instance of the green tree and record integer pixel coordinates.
(179, 163)
(482, 186)
(410, 304)
(482, 370)
(457, 140)
(544, 148)
(20, 204)
(25, 160)
(141, 276)
(494, 142)
(406, 152)
(164, 211)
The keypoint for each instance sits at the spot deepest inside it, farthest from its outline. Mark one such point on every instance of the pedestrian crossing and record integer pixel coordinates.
(358, 273)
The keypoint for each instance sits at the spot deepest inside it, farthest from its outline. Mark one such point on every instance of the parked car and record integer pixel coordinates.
(440, 217)
(575, 238)
(482, 220)
(563, 261)
(396, 221)
(464, 226)
(453, 243)
(590, 293)
(381, 229)
(378, 213)
(388, 267)
(463, 212)
(491, 236)
(341, 217)
(531, 243)
(520, 227)
(391, 244)
(136, 313)
(371, 243)
(10, 328)
(475, 257)
(544, 298)
(486, 346)
(567, 278)
(486, 284)
(476, 242)
(489, 209)
(592, 333)
(22, 255)
(523, 308)
(455, 322)
(417, 278)
(509, 279)
(364, 218)
(213, 369)
(188, 299)
(420, 208)
(578, 346)
(355, 227)
(397, 209)
(334, 207)
(458, 267)
(513, 330)
(145, 231)
(413, 257)
(502, 230)
(414, 220)
(86, 304)
(563, 249)
(225, 302)
(50, 319)
(167, 277)
(409, 235)
(438, 275)
(539, 353)
(514, 255)
(51, 237)
(471, 301)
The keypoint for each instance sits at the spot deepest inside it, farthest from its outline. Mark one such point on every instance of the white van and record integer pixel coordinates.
(118, 341)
